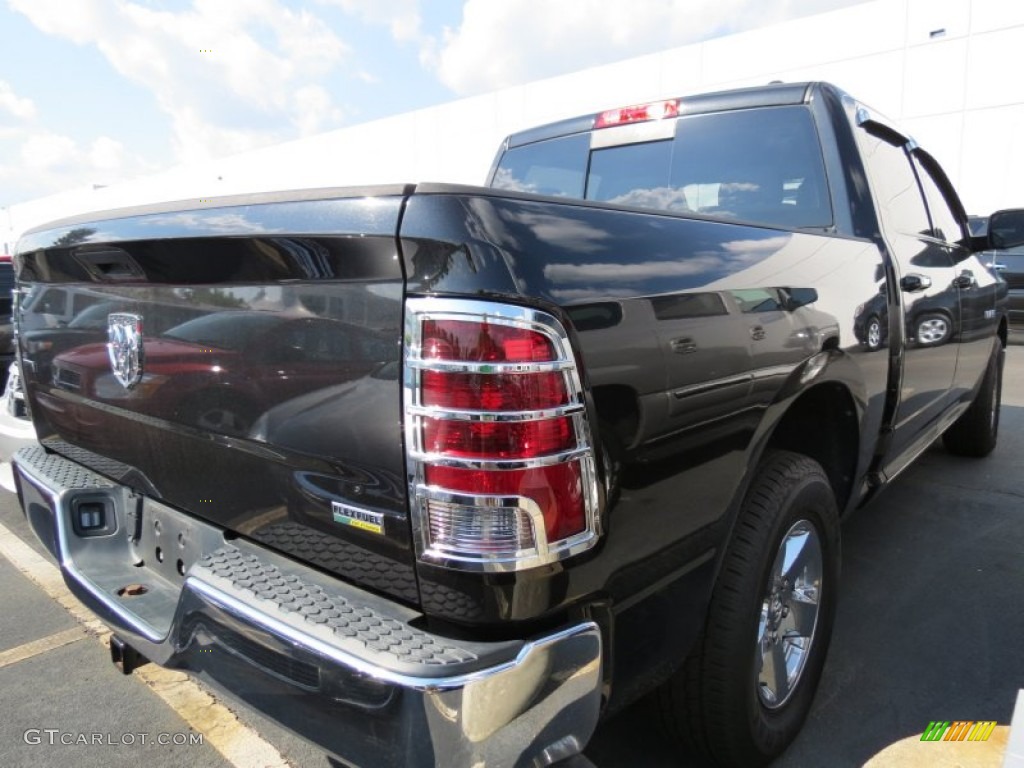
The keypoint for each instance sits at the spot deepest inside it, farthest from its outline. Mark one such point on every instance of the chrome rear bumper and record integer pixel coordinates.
(348, 670)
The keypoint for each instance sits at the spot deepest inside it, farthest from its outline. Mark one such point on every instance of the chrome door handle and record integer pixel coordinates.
(683, 346)
(913, 283)
(965, 279)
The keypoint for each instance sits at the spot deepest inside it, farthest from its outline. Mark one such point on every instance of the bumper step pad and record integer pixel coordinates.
(60, 474)
(291, 594)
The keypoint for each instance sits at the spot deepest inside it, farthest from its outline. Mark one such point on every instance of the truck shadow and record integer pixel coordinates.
(929, 621)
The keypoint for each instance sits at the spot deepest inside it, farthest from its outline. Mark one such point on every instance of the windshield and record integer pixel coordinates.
(94, 316)
(225, 330)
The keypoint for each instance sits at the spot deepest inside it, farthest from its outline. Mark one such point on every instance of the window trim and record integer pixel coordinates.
(929, 165)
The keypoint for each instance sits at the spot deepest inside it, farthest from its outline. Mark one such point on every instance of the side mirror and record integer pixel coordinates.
(1006, 228)
(798, 297)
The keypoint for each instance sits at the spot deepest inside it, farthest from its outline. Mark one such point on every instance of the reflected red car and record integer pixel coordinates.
(221, 371)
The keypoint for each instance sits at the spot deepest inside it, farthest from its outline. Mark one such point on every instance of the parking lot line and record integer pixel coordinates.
(42, 645)
(238, 743)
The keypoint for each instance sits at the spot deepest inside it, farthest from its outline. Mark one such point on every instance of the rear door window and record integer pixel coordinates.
(53, 301)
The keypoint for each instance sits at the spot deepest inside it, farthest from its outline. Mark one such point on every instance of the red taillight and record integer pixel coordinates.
(460, 340)
(494, 392)
(498, 439)
(499, 448)
(639, 113)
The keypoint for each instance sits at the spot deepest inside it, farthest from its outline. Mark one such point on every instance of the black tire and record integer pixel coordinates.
(717, 703)
(932, 329)
(612, 454)
(976, 432)
(218, 412)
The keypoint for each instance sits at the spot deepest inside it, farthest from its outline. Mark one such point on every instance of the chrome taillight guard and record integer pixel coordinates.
(456, 511)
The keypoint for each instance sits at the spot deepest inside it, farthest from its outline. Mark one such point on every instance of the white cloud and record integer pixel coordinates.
(402, 17)
(228, 74)
(506, 42)
(627, 273)
(46, 161)
(760, 247)
(21, 107)
(103, 160)
(313, 110)
(233, 223)
(106, 154)
(196, 139)
(48, 151)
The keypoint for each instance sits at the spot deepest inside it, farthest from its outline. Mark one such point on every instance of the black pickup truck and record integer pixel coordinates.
(441, 475)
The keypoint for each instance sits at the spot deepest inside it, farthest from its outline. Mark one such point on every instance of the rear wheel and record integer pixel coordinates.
(747, 686)
(932, 329)
(975, 433)
(873, 334)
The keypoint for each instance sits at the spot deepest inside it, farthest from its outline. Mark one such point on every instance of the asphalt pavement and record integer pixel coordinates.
(930, 627)
(65, 704)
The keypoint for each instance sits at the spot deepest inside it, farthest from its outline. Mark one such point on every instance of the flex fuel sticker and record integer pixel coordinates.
(363, 519)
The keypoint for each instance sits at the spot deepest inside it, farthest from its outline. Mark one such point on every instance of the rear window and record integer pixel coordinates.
(760, 165)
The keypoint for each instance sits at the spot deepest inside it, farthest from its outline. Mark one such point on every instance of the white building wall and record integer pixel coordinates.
(945, 69)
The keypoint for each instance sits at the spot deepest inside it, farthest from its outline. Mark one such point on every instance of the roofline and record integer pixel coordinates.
(771, 95)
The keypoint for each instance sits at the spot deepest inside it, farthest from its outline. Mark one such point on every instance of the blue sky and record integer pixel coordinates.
(98, 91)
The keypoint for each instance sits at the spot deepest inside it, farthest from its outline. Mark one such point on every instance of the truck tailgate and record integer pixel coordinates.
(245, 376)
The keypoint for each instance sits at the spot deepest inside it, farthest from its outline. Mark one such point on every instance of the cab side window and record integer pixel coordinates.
(945, 224)
(901, 206)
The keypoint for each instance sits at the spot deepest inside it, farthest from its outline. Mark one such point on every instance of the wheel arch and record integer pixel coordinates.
(822, 424)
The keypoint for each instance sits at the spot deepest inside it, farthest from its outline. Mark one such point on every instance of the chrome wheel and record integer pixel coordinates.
(789, 614)
(874, 333)
(932, 330)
